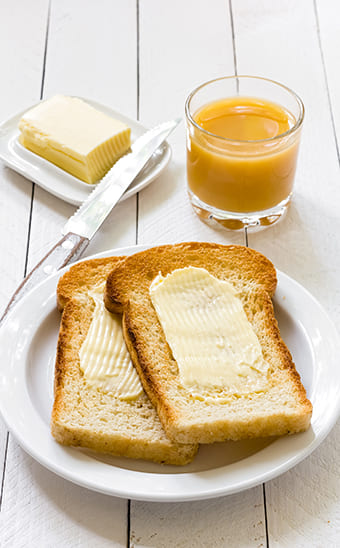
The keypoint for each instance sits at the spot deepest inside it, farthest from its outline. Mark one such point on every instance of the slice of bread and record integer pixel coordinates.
(219, 414)
(87, 416)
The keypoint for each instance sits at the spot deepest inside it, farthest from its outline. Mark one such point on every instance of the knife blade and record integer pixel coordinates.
(91, 214)
(89, 217)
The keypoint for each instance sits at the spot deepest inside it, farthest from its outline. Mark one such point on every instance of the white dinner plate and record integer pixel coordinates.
(28, 341)
(57, 181)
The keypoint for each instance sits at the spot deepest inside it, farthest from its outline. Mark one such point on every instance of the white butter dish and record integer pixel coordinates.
(57, 181)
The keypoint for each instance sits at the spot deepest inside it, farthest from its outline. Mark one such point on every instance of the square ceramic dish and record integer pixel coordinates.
(57, 181)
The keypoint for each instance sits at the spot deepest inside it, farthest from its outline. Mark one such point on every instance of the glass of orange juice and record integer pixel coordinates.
(243, 135)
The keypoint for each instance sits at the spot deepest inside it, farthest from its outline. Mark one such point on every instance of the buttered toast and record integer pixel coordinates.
(89, 411)
(199, 324)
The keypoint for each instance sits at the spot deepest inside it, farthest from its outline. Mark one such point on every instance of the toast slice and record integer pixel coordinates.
(90, 416)
(208, 414)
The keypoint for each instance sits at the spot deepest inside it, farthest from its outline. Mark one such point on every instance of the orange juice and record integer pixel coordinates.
(241, 154)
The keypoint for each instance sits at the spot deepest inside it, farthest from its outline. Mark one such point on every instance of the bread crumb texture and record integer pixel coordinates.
(282, 408)
(89, 417)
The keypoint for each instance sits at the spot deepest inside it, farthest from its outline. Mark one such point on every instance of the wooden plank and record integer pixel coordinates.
(189, 44)
(181, 44)
(297, 244)
(42, 509)
(20, 86)
(327, 14)
(280, 41)
(14, 211)
(84, 57)
(88, 63)
(234, 521)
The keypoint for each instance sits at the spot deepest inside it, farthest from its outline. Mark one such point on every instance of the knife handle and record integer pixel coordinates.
(68, 249)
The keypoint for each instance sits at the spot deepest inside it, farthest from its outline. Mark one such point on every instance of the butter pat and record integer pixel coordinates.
(74, 136)
(207, 329)
(104, 358)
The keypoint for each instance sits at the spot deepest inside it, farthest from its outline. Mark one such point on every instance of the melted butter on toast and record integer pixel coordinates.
(104, 358)
(210, 337)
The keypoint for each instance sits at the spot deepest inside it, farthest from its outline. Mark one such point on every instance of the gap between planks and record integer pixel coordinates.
(231, 15)
(29, 227)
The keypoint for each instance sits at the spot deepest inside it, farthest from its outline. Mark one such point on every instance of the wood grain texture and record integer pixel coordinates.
(142, 57)
(15, 192)
(190, 43)
(220, 522)
(24, 62)
(297, 244)
(327, 17)
(301, 504)
(42, 509)
(85, 58)
(193, 44)
(48, 511)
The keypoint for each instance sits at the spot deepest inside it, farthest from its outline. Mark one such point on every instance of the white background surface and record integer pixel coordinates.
(142, 57)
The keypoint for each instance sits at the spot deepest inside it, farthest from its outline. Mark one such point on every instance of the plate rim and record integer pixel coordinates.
(160, 495)
(78, 189)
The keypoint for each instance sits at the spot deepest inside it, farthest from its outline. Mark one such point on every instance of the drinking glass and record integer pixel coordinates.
(239, 182)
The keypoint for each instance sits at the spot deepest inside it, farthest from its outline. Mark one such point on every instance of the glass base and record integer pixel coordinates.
(238, 221)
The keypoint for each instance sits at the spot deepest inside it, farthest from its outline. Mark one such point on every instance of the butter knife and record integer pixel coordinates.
(89, 217)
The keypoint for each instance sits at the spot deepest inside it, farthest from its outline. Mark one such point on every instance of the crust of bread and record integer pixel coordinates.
(282, 408)
(88, 417)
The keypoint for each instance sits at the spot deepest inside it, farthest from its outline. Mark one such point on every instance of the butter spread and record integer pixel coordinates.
(104, 358)
(75, 136)
(208, 332)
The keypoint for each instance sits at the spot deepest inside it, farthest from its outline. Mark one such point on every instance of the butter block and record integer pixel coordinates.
(74, 136)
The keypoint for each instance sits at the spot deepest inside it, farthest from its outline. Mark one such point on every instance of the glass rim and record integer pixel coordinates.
(290, 131)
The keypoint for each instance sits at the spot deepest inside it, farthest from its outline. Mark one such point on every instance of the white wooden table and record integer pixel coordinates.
(142, 57)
